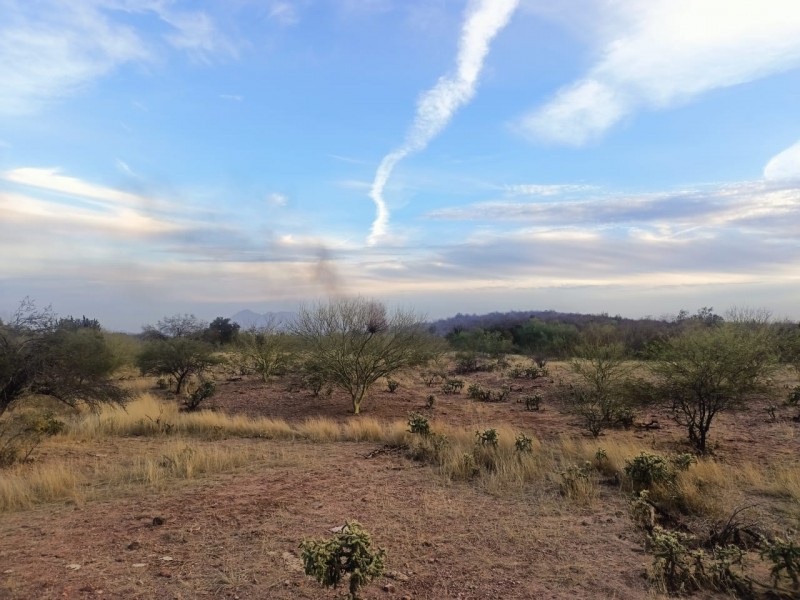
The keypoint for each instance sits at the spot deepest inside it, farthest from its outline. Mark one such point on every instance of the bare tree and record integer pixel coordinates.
(266, 350)
(353, 342)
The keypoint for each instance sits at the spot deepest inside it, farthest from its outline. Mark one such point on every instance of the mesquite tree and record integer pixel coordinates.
(354, 342)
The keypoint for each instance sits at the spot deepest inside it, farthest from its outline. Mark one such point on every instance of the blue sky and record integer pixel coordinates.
(632, 157)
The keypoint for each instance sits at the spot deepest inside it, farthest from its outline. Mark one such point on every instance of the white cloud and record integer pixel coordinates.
(659, 53)
(438, 105)
(52, 180)
(277, 200)
(538, 189)
(284, 13)
(51, 49)
(785, 165)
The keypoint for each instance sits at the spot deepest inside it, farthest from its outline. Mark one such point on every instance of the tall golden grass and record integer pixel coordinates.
(709, 487)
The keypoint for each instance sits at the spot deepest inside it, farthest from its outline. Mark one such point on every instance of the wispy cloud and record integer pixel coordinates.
(277, 200)
(52, 49)
(285, 13)
(537, 189)
(760, 205)
(438, 105)
(660, 53)
(785, 165)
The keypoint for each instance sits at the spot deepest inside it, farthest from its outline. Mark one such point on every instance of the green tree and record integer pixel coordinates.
(40, 355)
(601, 372)
(265, 350)
(355, 342)
(179, 357)
(221, 331)
(711, 369)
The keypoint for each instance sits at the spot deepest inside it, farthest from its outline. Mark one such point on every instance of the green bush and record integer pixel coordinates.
(647, 469)
(418, 424)
(201, 394)
(793, 399)
(487, 437)
(348, 552)
(523, 443)
(452, 386)
(22, 434)
(532, 402)
(785, 558)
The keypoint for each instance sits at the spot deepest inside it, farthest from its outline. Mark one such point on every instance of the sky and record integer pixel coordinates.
(634, 157)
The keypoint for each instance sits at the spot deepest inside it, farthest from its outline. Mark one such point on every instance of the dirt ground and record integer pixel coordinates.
(236, 535)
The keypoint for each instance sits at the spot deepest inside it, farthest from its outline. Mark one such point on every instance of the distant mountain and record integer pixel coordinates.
(248, 319)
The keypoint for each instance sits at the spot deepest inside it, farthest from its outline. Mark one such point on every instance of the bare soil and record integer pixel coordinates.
(236, 535)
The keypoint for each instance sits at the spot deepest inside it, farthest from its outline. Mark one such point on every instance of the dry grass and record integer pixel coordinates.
(26, 486)
(567, 464)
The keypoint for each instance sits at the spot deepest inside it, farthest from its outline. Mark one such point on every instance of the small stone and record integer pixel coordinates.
(134, 546)
(74, 566)
(138, 565)
(8, 571)
(164, 573)
(157, 521)
(166, 558)
(389, 587)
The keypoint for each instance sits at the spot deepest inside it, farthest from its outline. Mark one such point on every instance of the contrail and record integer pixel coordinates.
(437, 105)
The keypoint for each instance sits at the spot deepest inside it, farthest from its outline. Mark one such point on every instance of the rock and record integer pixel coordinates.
(158, 521)
(138, 565)
(164, 573)
(389, 587)
(133, 546)
(74, 566)
(397, 575)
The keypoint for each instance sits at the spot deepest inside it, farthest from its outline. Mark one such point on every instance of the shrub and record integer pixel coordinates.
(348, 552)
(646, 469)
(672, 560)
(793, 399)
(466, 362)
(682, 462)
(431, 378)
(392, 385)
(452, 386)
(487, 437)
(418, 424)
(523, 443)
(533, 402)
(198, 396)
(430, 401)
(21, 435)
(314, 381)
(576, 483)
(533, 372)
(682, 570)
(475, 391)
(785, 559)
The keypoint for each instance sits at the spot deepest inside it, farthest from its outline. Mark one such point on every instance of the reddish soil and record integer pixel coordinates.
(236, 535)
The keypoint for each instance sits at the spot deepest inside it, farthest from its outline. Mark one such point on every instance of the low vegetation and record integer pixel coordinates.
(583, 436)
